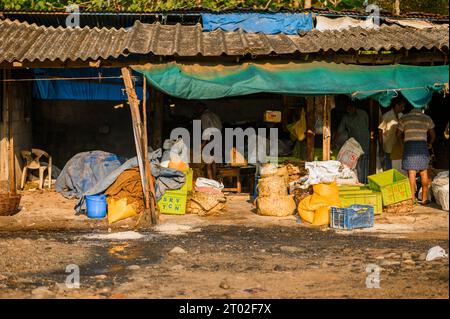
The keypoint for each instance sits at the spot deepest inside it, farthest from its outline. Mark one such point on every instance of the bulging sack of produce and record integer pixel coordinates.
(322, 216)
(272, 186)
(283, 172)
(268, 169)
(279, 206)
(329, 192)
(119, 210)
(304, 210)
(205, 203)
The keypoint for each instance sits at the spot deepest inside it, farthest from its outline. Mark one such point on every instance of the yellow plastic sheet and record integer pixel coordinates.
(119, 210)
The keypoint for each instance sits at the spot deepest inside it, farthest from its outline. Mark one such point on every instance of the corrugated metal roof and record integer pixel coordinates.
(25, 42)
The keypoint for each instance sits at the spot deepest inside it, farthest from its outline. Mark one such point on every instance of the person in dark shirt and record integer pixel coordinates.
(356, 124)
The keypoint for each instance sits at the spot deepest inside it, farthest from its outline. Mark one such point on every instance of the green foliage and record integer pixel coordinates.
(435, 6)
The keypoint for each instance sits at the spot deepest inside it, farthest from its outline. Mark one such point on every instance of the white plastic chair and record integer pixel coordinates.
(32, 162)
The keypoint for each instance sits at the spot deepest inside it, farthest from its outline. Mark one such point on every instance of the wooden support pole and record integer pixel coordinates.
(9, 134)
(158, 117)
(148, 169)
(326, 129)
(307, 4)
(310, 133)
(149, 215)
(374, 119)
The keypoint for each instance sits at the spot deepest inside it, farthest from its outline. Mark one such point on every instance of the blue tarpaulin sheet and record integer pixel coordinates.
(107, 89)
(268, 23)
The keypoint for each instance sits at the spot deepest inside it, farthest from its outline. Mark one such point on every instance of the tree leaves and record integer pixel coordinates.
(431, 6)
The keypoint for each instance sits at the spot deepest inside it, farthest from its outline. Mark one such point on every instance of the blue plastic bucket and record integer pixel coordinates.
(96, 206)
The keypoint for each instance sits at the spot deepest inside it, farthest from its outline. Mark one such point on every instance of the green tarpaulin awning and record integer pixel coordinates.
(200, 81)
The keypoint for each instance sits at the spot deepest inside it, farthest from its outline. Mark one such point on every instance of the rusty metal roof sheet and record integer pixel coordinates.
(25, 42)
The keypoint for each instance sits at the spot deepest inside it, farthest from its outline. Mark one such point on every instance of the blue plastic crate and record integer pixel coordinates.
(353, 217)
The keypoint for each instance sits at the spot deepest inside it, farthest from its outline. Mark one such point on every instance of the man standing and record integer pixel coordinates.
(387, 136)
(356, 124)
(209, 121)
(415, 128)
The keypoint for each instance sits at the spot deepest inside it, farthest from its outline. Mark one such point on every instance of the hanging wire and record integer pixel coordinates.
(64, 79)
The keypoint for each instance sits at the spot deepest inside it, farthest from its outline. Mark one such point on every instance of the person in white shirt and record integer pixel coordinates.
(209, 120)
(387, 132)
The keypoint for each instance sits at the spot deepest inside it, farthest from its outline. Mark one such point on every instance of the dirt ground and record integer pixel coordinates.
(236, 254)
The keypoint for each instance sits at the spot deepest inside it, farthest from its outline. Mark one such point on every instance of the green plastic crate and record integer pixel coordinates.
(173, 203)
(345, 188)
(393, 185)
(187, 187)
(362, 198)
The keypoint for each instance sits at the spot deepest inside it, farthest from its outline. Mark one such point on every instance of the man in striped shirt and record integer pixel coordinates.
(417, 129)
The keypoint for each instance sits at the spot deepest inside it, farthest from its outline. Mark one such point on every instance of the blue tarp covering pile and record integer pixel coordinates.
(268, 23)
(92, 173)
(84, 90)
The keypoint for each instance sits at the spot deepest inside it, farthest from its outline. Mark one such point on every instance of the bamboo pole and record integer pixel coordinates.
(149, 215)
(151, 189)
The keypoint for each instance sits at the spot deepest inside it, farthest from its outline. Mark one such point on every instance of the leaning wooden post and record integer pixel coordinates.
(149, 214)
(326, 130)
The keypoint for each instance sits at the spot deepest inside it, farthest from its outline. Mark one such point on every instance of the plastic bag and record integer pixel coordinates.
(175, 150)
(298, 129)
(435, 253)
(178, 165)
(205, 182)
(350, 153)
(322, 172)
(441, 189)
(119, 210)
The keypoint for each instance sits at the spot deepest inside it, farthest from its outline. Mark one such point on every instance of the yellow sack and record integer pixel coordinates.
(298, 129)
(328, 192)
(304, 210)
(322, 216)
(118, 210)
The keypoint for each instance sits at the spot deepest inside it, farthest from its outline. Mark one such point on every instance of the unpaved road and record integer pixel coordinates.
(234, 255)
(220, 262)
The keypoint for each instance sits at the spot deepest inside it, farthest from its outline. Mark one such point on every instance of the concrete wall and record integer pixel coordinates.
(19, 99)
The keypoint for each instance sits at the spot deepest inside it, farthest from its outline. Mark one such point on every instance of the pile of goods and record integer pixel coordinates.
(404, 207)
(273, 198)
(206, 199)
(296, 172)
(315, 208)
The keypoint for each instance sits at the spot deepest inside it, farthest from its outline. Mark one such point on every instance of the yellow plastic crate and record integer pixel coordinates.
(173, 203)
(362, 198)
